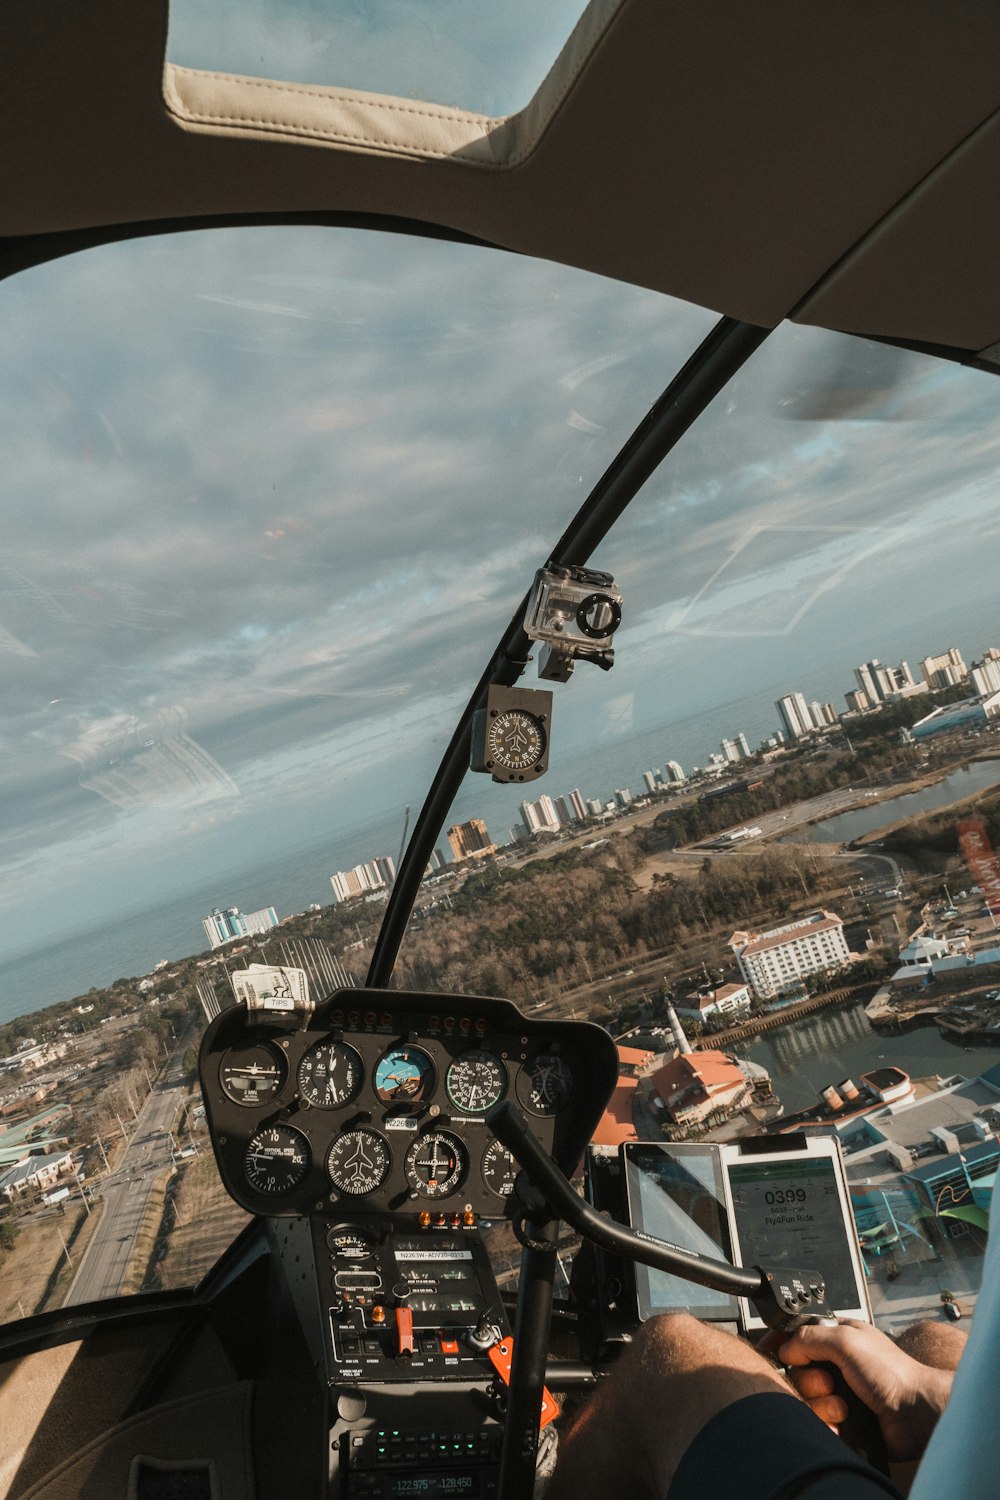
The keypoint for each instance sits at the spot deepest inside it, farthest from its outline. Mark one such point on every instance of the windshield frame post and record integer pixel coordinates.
(708, 370)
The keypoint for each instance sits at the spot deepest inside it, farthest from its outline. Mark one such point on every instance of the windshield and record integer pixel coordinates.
(273, 496)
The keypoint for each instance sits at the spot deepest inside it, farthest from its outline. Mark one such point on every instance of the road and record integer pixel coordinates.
(126, 1193)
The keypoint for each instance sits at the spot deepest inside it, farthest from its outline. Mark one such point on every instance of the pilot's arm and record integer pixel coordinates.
(692, 1413)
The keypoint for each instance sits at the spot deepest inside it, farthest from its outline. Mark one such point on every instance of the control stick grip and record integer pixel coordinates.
(860, 1430)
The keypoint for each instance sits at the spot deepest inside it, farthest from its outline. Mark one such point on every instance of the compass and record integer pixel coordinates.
(510, 736)
(515, 740)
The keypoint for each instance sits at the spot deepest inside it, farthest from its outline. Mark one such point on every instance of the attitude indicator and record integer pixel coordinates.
(404, 1075)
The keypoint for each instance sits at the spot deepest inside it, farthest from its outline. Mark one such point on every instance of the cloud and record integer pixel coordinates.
(306, 532)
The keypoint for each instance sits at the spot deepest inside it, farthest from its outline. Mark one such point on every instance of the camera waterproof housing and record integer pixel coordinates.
(574, 610)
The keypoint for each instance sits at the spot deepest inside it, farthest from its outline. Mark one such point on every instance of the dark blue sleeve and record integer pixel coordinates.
(772, 1447)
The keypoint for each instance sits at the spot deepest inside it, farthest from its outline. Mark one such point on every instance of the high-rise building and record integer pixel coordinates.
(742, 744)
(223, 926)
(879, 682)
(595, 807)
(946, 670)
(673, 772)
(730, 751)
(778, 960)
(793, 711)
(649, 780)
(577, 803)
(540, 816)
(623, 796)
(470, 839)
(346, 884)
(373, 875)
(260, 921)
(563, 812)
(858, 701)
(985, 676)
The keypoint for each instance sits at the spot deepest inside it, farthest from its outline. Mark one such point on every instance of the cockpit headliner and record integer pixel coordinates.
(835, 165)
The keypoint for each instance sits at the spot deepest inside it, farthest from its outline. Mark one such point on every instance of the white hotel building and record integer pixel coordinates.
(775, 961)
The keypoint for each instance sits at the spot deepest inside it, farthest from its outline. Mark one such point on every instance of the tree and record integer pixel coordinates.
(9, 1232)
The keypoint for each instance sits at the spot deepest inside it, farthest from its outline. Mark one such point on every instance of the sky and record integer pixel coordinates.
(273, 495)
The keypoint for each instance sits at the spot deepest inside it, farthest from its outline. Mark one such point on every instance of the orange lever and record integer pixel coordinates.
(502, 1357)
(404, 1330)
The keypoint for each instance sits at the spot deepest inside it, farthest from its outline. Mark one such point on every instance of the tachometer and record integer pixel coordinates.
(331, 1073)
(476, 1081)
(358, 1162)
(403, 1075)
(545, 1085)
(252, 1075)
(276, 1160)
(435, 1165)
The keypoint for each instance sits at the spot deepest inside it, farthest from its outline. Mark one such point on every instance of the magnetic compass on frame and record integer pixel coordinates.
(510, 736)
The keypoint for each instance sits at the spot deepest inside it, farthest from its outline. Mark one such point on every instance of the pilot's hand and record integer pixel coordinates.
(906, 1395)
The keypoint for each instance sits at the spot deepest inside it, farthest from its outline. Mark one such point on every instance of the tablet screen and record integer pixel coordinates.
(676, 1194)
(789, 1214)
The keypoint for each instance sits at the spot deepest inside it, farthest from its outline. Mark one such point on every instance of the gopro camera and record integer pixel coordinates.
(576, 611)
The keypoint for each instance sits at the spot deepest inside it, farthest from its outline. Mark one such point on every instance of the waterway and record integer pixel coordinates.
(973, 778)
(803, 1057)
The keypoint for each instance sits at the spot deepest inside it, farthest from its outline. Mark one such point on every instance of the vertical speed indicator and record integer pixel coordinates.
(276, 1160)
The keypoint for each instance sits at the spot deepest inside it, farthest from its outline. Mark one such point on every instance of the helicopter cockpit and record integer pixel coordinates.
(369, 455)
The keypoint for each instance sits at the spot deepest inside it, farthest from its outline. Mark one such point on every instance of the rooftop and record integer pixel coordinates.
(707, 1070)
(777, 936)
(953, 1108)
(615, 1124)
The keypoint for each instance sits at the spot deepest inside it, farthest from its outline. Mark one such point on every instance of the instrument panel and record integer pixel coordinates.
(377, 1099)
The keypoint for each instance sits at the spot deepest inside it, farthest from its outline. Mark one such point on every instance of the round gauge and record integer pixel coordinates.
(435, 1164)
(546, 1084)
(515, 740)
(331, 1073)
(358, 1162)
(476, 1081)
(499, 1169)
(403, 1075)
(252, 1075)
(276, 1160)
(346, 1245)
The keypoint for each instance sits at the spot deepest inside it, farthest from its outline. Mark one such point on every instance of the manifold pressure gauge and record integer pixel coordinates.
(510, 736)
